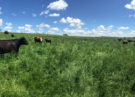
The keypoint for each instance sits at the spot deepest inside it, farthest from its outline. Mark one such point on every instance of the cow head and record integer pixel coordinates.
(23, 41)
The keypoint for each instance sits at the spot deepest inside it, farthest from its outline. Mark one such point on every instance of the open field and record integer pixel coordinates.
(69, 67)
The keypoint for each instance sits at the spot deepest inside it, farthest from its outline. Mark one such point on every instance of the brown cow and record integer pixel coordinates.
(38, 39)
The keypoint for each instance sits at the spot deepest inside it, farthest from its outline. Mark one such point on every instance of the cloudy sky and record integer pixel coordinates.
(73, 17)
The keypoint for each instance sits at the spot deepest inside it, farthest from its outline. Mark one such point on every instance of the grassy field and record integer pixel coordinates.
(69, 67)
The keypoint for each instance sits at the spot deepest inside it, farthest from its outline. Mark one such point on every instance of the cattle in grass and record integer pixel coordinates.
(131, 40)
(12, 35)
(47, 41)
(38, 39)
(7, 46)
(6, 32)
(125, 42)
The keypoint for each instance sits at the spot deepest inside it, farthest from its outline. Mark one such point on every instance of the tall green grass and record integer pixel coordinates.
(68, 67)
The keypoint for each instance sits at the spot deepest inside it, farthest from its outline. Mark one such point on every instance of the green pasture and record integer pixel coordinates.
(68, 67)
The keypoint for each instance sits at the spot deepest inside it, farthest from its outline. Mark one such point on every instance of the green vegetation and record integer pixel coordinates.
(69, 67)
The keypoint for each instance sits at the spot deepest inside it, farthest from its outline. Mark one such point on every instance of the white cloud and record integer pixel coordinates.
(73, 22)
(123, 28)
(63, 20)
(101, 30)
(131, 5)
(28, 25)
(77, 32)
(58, 5)
(109, 31)
(20, 27)
(1, 22)
(55, 22)
(27, 28)
(109, 28)
(44, 12)
(120, 33)
(133, 15)
(53, 30)
(34, 15)
(54, 15)
(41, 27)
(8, 27)
(131, 34)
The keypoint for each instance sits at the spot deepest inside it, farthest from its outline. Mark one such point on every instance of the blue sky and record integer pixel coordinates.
(73, 17)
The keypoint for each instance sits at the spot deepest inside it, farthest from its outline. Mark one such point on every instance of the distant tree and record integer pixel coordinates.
(65, 34)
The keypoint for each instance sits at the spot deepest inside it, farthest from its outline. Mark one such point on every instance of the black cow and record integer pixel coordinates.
(12, 35)
(125, 42)
(48, 41)
(6, 32)
(131, 40)
(7, 46)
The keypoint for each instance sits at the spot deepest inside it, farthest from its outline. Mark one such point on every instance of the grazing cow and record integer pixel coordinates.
(38, 39)
(12, 35)
(7, 46)
(125, 42)
(6, 32)
(48, 41)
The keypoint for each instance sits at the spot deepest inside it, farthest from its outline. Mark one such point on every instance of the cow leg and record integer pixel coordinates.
(2, 51)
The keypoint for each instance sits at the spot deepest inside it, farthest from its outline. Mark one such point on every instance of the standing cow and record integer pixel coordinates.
(38, 39)
(7, 46)
(6, 32)
(125, 42)
(12, 35)
(48, 41)
(130, 40)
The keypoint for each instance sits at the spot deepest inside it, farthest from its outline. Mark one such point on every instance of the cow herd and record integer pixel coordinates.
(40, 39)
(6, 32)
(126, 41)
(7, 46)
(13, 45)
